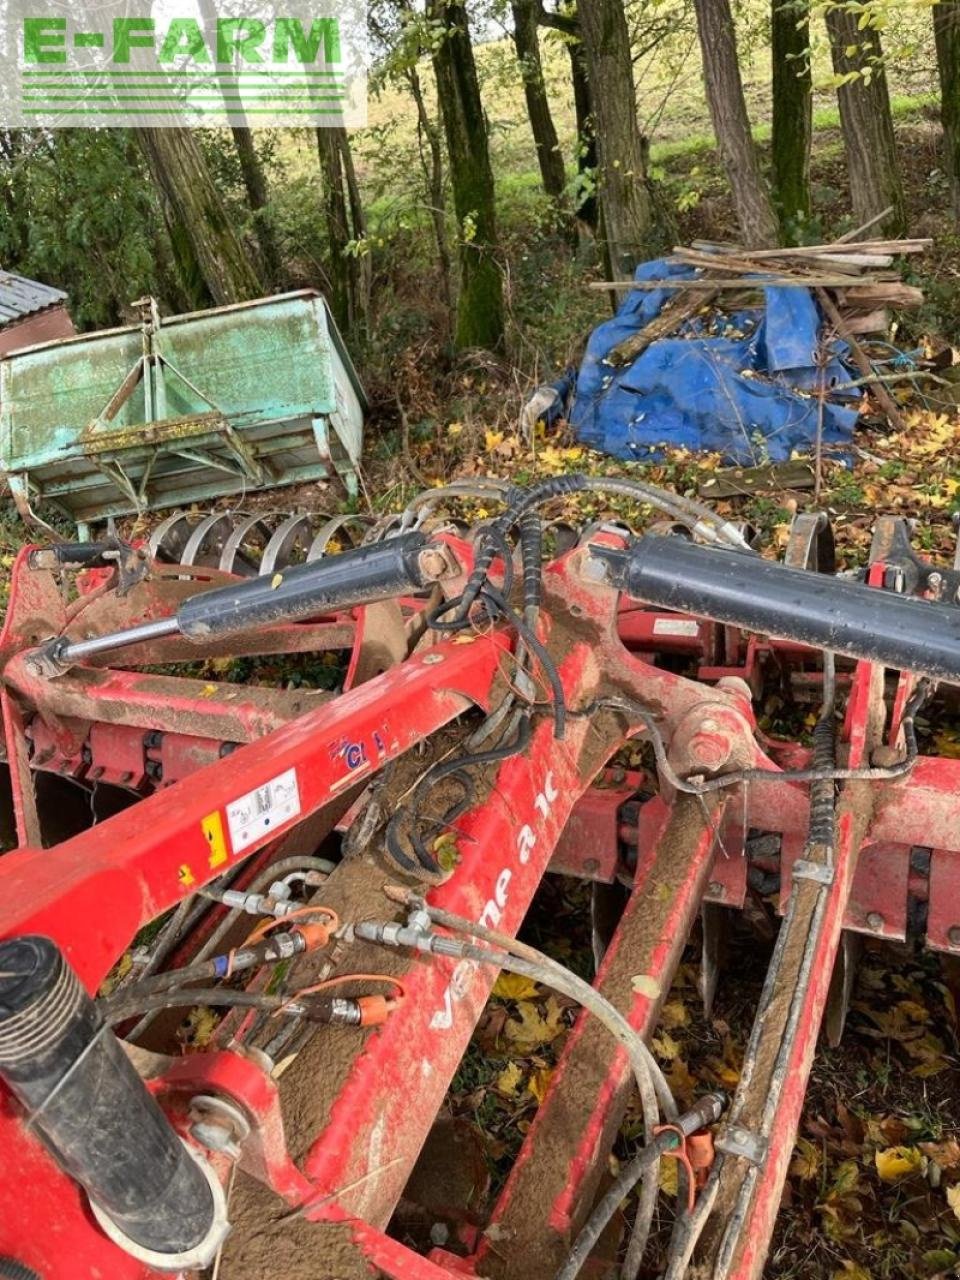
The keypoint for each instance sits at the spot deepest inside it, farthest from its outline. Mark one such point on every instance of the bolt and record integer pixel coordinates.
(934, 581)
(433, 563)
(875, 920)
(716, 889)
(953, 935)
(710, 750)
(215, 1137)
(431, 659)
(593, 569)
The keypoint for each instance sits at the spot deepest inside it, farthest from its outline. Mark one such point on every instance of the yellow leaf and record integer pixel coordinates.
(533, 1028)
(208, 691)
(953, 1199)
(806, 1163)
(492, 439)
(895, 1163)
(665, 1047)
(669, 1177)
(454, 428)
(513, 986)
(509, 1080)
(674, 1014)
(275, 581)
(539, 1083)
(851, 1271)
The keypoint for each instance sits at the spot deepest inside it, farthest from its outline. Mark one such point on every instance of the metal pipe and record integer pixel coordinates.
(815, 609)
(77, 650)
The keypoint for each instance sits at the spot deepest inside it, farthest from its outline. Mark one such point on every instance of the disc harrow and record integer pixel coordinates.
(339, 874)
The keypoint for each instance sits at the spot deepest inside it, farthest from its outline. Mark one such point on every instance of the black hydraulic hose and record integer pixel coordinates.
(823, 790)
(456, 768)
(531, 551)
(10, 1269)
(706, 1111)
(250, 957)
(114, 1012)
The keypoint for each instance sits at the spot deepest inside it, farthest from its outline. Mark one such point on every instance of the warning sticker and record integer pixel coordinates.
(259, 812)
(675, 627)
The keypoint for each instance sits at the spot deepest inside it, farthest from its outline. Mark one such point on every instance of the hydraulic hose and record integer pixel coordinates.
(706, 1111)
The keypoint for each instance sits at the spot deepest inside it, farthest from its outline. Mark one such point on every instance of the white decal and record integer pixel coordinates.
(675, 627)
(260, 812)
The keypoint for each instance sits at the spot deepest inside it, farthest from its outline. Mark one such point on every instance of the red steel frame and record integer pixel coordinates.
(95, 890)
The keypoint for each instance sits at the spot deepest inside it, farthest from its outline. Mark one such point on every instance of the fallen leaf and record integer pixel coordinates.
(946, 1155)
(539, 1083)
(669, 1177)
(532, 1028)
(275, 581)
(665, 1047)
(509, 1080)
(514, 986)
(806, 1162)
(895, 1163)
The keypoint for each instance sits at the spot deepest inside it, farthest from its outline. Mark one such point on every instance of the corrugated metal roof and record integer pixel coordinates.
(20, 297)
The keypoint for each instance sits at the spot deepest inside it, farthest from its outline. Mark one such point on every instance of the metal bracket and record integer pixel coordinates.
(737, 1140)
(804, 869)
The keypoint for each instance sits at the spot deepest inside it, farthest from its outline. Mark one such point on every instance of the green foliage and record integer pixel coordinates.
(81, 214)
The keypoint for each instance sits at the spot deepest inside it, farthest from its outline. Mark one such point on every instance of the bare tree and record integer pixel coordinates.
(731, 124)
(631, 228)
(213, 263)
(480, 321)
(792, 110)
(946, 30)
(866, 120)
(526, 39)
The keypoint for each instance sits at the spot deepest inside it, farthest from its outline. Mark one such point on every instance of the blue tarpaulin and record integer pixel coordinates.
(734, 386)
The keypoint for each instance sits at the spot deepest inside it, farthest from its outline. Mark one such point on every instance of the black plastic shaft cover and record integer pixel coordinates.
(902, 632)
(377, 572)
(89, 1106)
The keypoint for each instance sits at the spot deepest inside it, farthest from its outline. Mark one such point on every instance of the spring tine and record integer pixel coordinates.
(328, 531)
(280, 548)
(381, 529)
(169, 538)
(233, 558)
(203, 545)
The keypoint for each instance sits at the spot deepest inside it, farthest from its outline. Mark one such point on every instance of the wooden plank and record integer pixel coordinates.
(735, 481)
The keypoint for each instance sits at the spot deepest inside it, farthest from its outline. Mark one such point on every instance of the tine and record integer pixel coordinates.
(203, 545)
(169, 538)
(280, 548)
(233, 558)
(328, 531)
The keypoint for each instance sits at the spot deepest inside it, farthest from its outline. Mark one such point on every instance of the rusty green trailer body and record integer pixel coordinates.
(181, 409)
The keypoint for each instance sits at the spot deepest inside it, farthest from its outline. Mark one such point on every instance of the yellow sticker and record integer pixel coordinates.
(212, 827)
(186, 876)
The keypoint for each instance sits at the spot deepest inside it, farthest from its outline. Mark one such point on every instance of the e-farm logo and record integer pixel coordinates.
(103, 63)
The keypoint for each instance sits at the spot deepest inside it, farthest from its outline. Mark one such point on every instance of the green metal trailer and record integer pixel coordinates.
(181, 409)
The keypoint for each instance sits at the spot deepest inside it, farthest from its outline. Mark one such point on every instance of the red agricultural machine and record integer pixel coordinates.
(342, 874)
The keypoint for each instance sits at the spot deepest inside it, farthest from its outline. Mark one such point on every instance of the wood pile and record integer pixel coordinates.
(853, 279)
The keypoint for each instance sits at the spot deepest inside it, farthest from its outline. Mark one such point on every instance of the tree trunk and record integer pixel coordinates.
(255, 185)
(792, 112)
(480, 320)
(946, 30)
(629, 221)
(214, 264)
(585, 207)
(343, 215)
(867, 123)
(429, 135)
(728, 110)
(526, 39)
